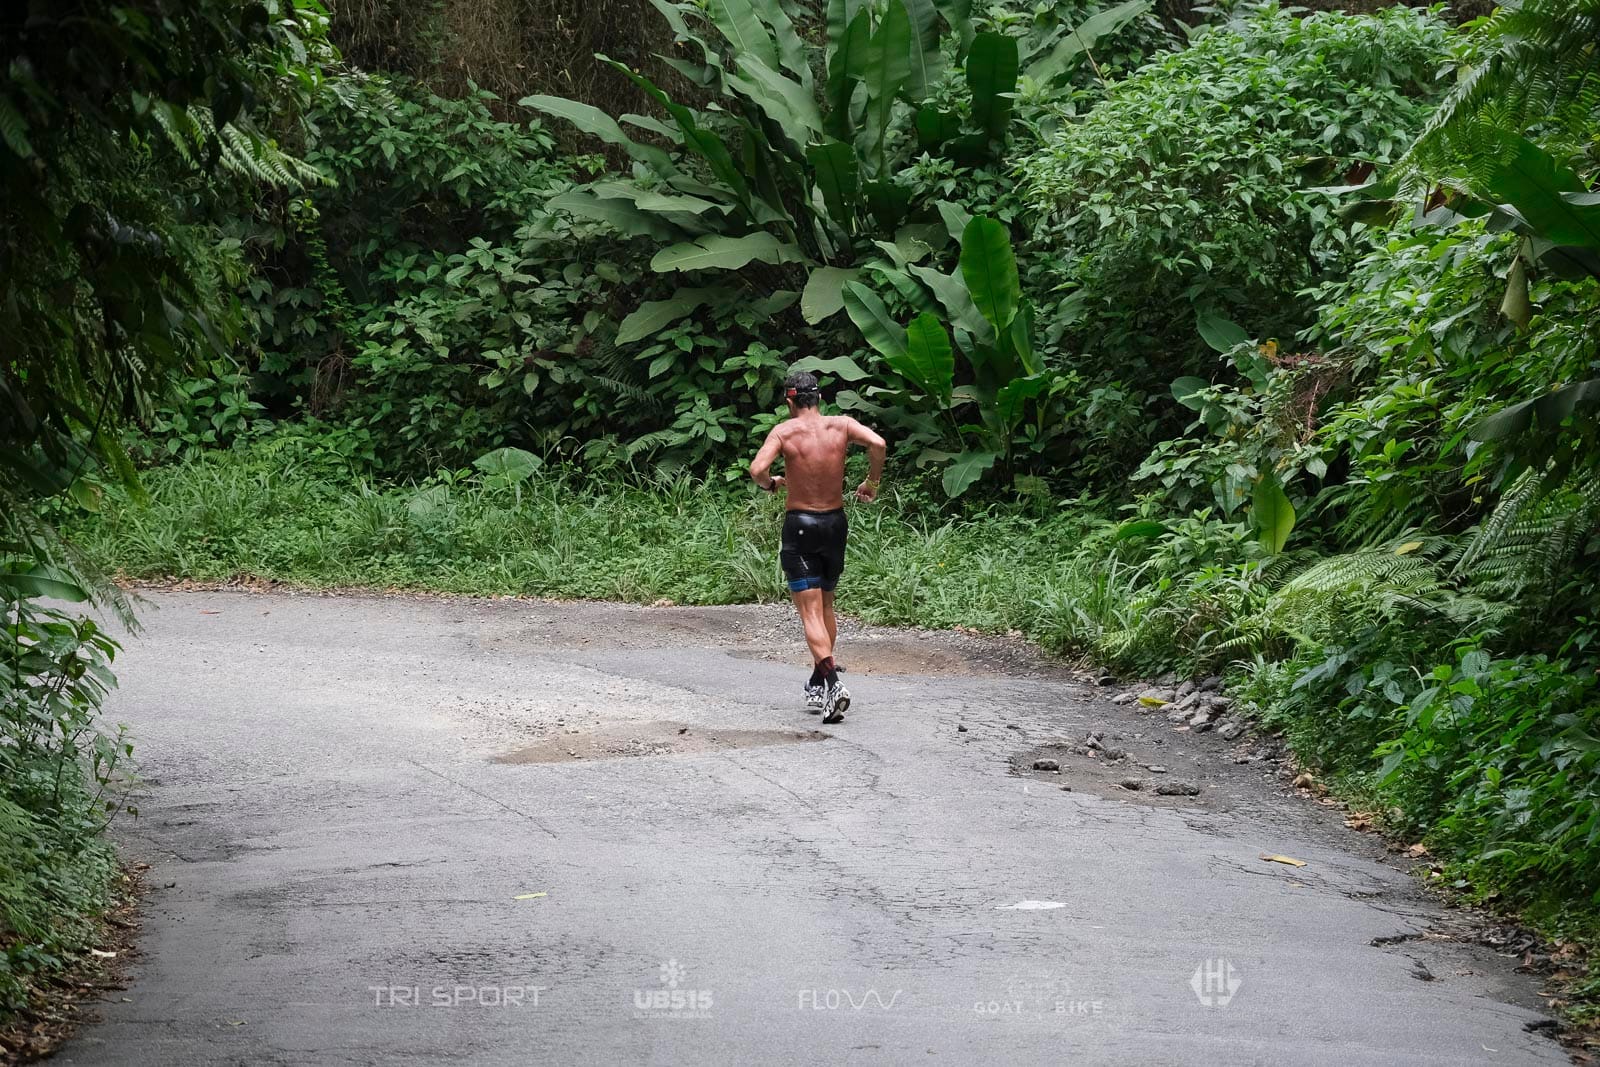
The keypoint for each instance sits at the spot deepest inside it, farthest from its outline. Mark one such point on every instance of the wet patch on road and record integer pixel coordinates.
(635, 739)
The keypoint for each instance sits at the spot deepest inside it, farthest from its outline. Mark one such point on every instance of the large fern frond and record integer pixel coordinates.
(246, 151)
(622, 375)
(1527, 546)
(1399, 579)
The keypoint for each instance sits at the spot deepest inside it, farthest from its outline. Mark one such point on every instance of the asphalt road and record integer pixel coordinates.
(396, 831)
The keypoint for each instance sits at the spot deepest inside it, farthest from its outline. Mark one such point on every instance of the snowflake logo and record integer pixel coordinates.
(673, 972)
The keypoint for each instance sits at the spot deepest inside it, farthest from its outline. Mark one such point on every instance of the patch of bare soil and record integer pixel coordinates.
(1118, 768)
(922, 653)
(625, 626)
(60, 1007)
(625, 740)
(896, 656)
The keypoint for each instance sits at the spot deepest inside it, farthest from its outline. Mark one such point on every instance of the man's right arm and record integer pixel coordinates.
(877, 451)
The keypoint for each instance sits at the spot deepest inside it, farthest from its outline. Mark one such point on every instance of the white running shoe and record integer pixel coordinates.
(816, 695)
(835, 702)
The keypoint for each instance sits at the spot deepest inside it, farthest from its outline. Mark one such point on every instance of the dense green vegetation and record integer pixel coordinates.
(130, 137)
(1244, 340)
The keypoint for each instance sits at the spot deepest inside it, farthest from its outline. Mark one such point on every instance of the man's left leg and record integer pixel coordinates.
(819, 635)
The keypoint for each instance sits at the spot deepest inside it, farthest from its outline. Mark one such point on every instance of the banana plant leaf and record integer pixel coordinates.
(1552, 198)
(992, 78)
(1220, 333)
(621, 215)
(990, 269)
(823, 295)
(792, 54)
(841, 367)
(928, 359)
(847, 65)
(927, 58)
(965, 470)
(653, 315)
(1271, 513)
(592, 120)
(736, 20)
(1063, 58)
(838, 176)
(786, 103)
(872, 318)
(951, 292)
(20, 581)
(888, 65)
(719, 252)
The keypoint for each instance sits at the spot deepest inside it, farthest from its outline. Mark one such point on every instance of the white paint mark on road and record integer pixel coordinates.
(1030, 905)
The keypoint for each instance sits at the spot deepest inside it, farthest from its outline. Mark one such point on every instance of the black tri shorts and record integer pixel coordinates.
(813, 549)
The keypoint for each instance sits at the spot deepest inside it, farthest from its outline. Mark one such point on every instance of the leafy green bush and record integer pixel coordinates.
(1187, 191)
(391, 282)
(61, 782)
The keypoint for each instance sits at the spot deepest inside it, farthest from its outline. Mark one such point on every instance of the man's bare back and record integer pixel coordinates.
(813, 448)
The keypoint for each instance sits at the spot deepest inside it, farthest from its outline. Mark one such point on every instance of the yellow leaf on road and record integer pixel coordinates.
(1283, 859)
(1152, 702)
(529, 896)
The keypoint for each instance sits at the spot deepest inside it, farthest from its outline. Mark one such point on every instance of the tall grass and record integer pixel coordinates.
(228, 514)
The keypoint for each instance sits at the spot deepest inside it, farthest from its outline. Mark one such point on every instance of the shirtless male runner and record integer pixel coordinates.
(813, 447)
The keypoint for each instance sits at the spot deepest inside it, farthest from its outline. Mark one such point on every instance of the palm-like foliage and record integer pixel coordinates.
(1542, 72)
(792, 170)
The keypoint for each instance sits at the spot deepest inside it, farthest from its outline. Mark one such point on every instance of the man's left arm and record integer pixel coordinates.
(877, 452)
(761, 466)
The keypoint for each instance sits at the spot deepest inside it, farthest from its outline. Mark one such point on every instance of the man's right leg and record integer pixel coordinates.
(829, 619)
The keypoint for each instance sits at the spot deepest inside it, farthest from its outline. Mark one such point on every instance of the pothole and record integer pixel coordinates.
(625, 740)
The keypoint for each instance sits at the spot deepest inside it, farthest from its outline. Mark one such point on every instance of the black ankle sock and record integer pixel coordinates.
(816, 675)
(826, 672)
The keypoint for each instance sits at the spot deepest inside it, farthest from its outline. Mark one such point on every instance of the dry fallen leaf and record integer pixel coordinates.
(98, 954)
(1283, 859)
(1418, 849)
